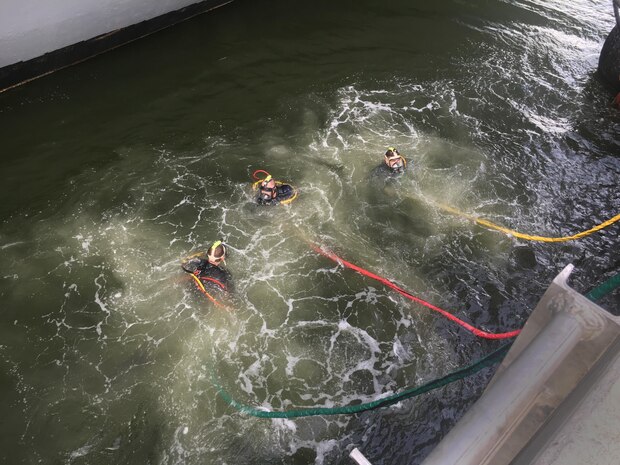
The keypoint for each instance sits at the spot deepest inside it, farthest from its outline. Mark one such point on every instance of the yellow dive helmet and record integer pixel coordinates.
(215, 245)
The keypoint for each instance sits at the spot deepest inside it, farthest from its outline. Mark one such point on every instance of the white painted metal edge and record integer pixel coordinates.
(359, 457)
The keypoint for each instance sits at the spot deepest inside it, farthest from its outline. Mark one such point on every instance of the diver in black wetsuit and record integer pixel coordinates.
(208, 270)
(272, 193)
(394, 164)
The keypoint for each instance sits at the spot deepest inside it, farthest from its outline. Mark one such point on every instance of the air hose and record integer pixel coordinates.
(487, 361)
(257, 178)
(600, 291)
(491, 359)
(202, 289)
(528, 237)
(448, 315)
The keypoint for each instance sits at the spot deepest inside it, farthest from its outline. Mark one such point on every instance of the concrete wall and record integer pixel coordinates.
(31, 28)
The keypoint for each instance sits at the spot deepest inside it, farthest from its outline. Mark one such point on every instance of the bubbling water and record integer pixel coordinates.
(96, 289)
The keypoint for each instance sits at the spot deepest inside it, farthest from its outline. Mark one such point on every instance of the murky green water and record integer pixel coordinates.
(116, 169)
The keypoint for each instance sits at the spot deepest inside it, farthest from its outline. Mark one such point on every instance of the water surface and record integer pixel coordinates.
(116, 169)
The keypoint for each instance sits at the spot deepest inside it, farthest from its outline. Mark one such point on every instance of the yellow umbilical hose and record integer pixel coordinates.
(529, 237)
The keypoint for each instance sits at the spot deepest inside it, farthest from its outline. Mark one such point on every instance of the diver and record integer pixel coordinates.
(394, 161)
(272, 192)
(394, 164)
(207, 271)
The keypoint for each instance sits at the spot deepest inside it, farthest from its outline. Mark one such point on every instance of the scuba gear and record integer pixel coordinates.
(272, 192)
(394, 160)
(267, 195)
(207, 276)
(283, 194)
(210, 275)
(191, 265)
(213, 255)
(268, 189)
(391, 152)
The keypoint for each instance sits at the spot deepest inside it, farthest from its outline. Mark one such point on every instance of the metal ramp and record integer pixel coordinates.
(555, 399)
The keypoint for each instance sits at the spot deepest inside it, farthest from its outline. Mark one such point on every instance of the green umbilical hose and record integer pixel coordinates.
(604, 289)
(491, 359)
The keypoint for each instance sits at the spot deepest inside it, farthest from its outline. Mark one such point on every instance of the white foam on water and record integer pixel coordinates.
(302, 326)
(81, 452)
(12, 244)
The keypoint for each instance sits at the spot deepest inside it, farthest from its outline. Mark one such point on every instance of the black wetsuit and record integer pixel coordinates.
(283, 192)
(211, 276)
(383, 175)
(385, 170)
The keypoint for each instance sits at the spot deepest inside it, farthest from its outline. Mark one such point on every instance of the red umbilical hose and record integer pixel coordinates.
(259, 171)
(467, 326)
